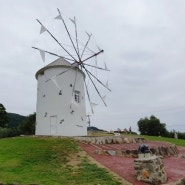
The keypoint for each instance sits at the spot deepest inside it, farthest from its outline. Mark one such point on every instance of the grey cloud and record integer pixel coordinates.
(144, 45)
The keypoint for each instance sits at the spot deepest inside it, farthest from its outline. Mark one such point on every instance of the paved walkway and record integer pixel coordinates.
(124, 167)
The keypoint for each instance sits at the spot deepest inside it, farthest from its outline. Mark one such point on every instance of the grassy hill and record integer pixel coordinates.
(48, 161)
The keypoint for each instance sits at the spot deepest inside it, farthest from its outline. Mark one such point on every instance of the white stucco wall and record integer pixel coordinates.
(60, 115)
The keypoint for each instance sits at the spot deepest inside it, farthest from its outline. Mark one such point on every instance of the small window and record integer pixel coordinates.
(77, 96)
(60, 92)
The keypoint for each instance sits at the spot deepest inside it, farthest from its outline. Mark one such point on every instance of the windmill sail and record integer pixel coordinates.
(81, 56)
(42, 29)
(59, 17)
(42, 53)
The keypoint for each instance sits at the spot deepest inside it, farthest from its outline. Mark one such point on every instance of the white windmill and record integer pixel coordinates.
(61, 109)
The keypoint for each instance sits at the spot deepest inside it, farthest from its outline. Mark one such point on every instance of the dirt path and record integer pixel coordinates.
(124, 167)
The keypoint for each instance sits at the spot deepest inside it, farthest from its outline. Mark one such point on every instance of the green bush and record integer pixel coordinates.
(181, 135)
(9, 132)
(27, 127)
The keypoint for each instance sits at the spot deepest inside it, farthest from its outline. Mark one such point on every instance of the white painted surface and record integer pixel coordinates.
(60, 115)
(53, 125)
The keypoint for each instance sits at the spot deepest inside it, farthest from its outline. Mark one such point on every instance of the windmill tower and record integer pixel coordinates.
(61, 100)
(61, 86)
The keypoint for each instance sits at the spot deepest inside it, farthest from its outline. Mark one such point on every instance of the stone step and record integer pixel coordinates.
(110, 140)
(164, 151)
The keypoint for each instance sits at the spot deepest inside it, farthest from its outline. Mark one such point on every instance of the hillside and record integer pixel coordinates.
(48, 161)
(15, 119)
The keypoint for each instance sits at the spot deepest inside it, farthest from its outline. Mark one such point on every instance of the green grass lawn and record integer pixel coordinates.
(48, 161)
(53, 161)
(178, 142)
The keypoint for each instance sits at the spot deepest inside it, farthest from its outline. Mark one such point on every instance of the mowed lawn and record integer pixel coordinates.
(178, 142)
(48, 161)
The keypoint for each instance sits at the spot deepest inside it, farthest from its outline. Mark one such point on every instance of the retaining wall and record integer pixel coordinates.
(110, 139)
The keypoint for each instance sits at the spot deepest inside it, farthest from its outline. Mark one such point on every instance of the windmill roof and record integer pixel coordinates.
(60, 62)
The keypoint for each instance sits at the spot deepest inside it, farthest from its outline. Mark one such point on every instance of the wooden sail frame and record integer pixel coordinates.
(79, 61)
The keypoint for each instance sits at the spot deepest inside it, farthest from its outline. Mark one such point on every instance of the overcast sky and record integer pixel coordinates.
(144, 44)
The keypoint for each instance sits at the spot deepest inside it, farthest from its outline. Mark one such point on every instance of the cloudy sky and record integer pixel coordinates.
(144, 44)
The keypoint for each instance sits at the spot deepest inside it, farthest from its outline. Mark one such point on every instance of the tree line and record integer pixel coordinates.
(153, 127)
(14, 124)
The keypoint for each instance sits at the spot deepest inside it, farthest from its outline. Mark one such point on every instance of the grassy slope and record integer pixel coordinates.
(178, 142)
(52, 161)
(48, 161)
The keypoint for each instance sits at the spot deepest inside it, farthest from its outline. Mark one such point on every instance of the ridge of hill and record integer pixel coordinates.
(15, 119)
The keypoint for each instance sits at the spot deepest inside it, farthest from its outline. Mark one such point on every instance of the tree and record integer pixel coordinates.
(152, 126)
(27, 127)
(3, 116)
(15, 119)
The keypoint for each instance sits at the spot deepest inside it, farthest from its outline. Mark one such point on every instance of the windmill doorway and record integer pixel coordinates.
(53, 125)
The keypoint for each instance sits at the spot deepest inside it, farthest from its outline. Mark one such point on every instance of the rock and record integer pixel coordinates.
(180, 181)
(119, 140)
(111, 152)
(119, 153)
(126, 140)
(150, 170)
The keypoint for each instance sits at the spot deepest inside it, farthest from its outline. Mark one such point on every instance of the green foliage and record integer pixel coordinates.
(180, 135)
(178, 142)
(47, 161)
(15, 119)
(152, 126)
(9, 132)
(27, 127)
(3, 116)
(16, 124)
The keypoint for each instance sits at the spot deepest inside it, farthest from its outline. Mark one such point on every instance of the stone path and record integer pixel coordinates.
(124, 166)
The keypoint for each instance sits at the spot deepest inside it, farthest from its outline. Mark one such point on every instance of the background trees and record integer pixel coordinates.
(15, 119)
(3, 116)
(152, 126)
(27, 126)
(14, 124)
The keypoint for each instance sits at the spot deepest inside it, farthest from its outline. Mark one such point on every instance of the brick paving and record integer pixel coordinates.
(124, 166)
